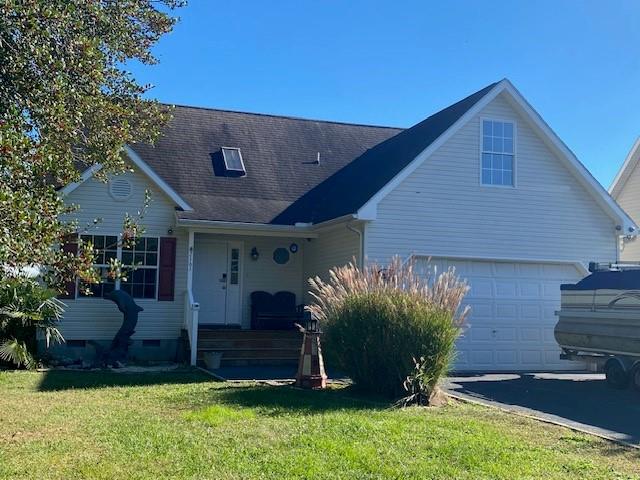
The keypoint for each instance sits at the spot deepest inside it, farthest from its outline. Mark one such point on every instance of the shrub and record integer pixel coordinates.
(26, 307)
(379, 321)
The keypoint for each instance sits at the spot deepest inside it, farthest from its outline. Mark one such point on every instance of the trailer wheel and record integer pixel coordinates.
(635, 377)
(616, 375)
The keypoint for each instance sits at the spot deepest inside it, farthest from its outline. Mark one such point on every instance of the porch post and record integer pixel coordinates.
(193, 305)
(190, 262)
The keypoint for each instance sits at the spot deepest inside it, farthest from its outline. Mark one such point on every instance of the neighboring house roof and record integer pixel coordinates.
(626, 170)
(284, 184)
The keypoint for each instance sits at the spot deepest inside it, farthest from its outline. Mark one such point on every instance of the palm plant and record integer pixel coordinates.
(26, 307)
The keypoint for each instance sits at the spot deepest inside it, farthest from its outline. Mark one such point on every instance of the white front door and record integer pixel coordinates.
(210, 279)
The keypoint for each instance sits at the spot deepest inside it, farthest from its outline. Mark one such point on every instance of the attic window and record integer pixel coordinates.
(233, 160)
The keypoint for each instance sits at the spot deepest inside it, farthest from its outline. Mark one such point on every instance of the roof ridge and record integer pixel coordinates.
(288, 117)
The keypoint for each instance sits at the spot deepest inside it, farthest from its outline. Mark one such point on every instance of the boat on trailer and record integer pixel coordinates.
(599, 321)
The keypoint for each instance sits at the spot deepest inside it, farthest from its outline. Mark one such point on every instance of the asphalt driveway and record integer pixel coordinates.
(578, 399)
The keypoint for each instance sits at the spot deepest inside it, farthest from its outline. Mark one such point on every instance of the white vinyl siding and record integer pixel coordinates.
(442, 209)
(265, 274)
(98, 319)
(629, 200)
(333, 248)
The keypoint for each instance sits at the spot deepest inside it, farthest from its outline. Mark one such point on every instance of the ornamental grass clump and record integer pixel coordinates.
(378, 320)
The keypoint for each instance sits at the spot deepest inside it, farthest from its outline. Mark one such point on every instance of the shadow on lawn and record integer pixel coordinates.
(285, 400)
(56, 380)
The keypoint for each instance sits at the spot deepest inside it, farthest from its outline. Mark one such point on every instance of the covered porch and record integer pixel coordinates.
(246, 289)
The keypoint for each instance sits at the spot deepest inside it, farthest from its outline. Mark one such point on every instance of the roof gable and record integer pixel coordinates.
(626, 170)
(579, 171)
(142, 166)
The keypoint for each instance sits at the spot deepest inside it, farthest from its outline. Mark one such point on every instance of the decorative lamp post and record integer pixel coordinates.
(311, 372)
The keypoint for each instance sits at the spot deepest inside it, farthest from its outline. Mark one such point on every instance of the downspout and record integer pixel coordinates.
(361, 243)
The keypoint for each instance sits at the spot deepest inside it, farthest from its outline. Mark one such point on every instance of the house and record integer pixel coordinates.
(625, 189)
(247, 202)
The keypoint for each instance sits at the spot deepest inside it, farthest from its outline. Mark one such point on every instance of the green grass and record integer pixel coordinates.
(182, 425)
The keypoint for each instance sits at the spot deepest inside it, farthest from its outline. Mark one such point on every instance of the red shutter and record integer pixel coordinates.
(167, 273)
(70, 246)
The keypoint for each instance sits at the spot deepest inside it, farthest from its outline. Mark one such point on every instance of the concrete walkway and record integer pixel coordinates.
(580, 400)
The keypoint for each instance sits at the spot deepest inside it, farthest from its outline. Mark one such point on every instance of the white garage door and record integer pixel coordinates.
(512, 314)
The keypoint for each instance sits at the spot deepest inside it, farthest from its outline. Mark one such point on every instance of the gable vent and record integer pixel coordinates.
(120, 188)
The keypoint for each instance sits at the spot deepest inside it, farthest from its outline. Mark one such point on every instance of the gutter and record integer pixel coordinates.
(308, 230)
(231, 228)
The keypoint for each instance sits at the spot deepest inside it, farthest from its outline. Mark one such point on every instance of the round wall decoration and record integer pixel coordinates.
(281, 256)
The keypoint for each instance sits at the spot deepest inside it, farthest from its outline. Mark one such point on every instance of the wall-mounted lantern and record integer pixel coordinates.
(255, 255)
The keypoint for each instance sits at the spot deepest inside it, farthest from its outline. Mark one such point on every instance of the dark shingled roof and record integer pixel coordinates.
(284, 184)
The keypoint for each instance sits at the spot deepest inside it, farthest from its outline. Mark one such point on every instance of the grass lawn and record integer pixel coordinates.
(183, 425)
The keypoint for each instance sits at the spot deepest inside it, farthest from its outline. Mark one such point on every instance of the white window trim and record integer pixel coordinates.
(515, 151)
(118, 282)
(224, 159)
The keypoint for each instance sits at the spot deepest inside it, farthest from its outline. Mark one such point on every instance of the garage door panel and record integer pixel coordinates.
(512, 317)
(506, 288)
(549, 336)
(504, 269)
(481, 288)
(479, 269)
(531, 334)
(491, 334)
(507, 357)
(480, 309)
(506, 311)
(531, 312)
(530, 289)
(552, 290)
(483, 358)
(531, 357)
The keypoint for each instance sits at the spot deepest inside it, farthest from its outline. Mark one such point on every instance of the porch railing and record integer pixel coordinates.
(191, 308)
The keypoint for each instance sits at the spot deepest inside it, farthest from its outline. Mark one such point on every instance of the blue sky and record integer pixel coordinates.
(396, 62)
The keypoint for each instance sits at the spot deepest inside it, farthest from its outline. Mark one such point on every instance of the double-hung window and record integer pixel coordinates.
(140, 264)
(105, 247)
(498, 153)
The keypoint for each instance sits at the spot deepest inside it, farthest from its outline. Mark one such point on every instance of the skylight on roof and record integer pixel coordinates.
(233, 160)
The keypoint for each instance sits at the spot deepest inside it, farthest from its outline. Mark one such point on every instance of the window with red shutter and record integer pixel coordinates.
(70, 246)
(167, 273)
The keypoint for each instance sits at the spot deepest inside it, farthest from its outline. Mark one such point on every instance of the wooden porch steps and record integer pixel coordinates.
(251, 347)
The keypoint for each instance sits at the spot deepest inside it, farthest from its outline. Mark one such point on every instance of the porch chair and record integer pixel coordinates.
(275, 312)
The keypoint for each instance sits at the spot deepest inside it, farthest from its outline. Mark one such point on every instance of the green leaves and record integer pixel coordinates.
(14, 351)
(66, 104)
(26, 306)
